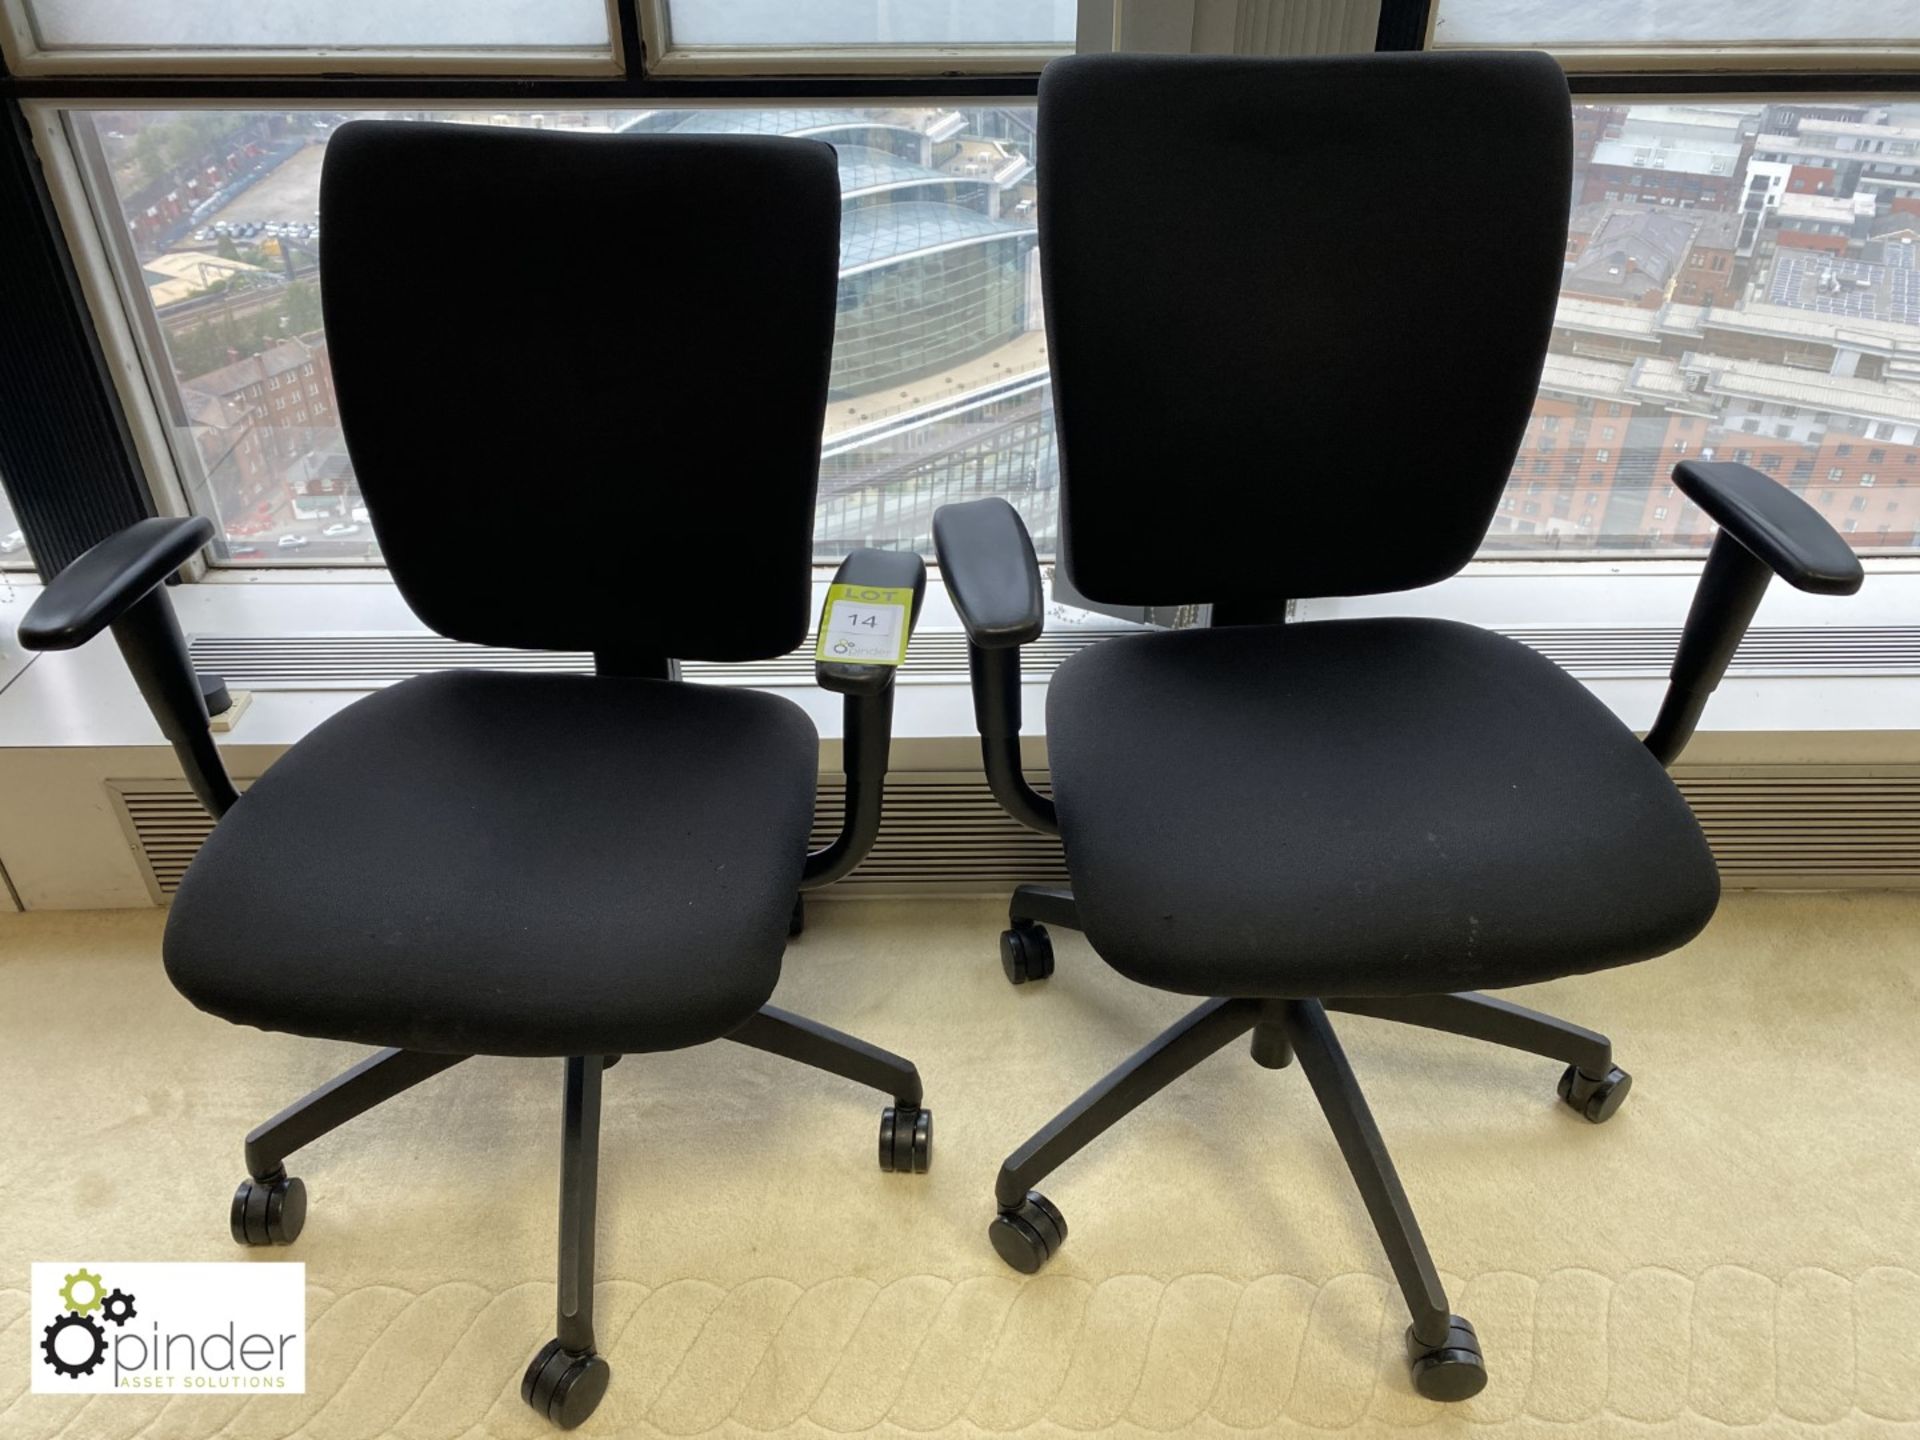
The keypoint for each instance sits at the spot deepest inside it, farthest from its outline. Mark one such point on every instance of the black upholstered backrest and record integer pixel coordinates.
(1296, 311)
(582, 378)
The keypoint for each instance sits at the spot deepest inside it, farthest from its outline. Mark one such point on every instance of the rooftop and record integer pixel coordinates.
(182, 274)
(230, 379)
(1633, 254)
(1856, 289)
(1664, 152)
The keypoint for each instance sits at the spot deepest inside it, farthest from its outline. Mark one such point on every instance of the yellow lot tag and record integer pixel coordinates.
(863, 625)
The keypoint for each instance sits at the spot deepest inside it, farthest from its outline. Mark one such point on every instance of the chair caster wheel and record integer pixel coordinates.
(1026, 952)
(564, 1387)
(1030, 1234)
(906, 1140)
(1595, 1096)
(269, 1211)
(797, 921)
(1448, 1372)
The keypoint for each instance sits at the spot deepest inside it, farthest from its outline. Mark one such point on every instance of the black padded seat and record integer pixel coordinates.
(480, 863)
(1361, 807)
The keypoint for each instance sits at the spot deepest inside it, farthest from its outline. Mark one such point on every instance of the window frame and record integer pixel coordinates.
(649, 76)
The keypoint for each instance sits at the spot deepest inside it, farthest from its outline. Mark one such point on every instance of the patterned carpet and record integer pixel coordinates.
(1737, 1250)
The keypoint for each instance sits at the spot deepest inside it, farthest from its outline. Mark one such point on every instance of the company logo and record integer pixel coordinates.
(138, 1328)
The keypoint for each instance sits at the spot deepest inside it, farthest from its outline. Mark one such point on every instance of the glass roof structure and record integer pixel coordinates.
(885, 233)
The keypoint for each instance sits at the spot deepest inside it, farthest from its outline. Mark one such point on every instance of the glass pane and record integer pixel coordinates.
(13, 545)
(1741, 284)
(1555, 23)
(279, 25)
(777, 23)
(939, 386)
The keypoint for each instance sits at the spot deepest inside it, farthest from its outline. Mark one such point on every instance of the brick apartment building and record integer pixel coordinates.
(253, 420)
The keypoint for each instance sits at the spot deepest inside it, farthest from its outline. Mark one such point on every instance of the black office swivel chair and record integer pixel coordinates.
(1297, 312)
(542, 864)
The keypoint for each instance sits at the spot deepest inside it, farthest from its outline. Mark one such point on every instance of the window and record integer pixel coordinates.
(13, 545)
(172, 35)
(1639, 24)
(939, 388)
(1868, 479)
(850, 23)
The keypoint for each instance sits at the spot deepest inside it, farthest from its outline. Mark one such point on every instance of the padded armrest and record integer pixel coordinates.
(103, 584)
(867, 718)
(1765, 530)
(119, 583)
(1780, 528)
(988, 564)
(882, 570)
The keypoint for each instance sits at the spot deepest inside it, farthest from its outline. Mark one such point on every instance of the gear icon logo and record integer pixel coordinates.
(74, 1369)
(83, 1279)
(75, 1343)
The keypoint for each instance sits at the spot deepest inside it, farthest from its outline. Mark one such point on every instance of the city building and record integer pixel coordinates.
(939, 388)
(1670, 155)
(252, 421)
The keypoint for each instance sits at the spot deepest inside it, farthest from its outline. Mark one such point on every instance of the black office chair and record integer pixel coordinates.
(483, 863)
(1297, 311)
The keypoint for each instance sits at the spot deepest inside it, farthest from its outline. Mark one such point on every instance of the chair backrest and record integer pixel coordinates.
(582, 378)
(1297, 311)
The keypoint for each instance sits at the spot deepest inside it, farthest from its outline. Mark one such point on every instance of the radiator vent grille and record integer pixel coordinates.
(1771, 828)
(366, 661)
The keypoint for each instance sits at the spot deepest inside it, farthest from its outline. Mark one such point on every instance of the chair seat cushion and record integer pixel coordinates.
(479, 863)
(1361, 807)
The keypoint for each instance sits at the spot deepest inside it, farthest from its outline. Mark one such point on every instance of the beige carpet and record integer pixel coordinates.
(1738, 1249)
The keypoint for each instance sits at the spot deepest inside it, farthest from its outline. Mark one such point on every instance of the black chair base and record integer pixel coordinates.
(1026, 950)
(1443, 1351)
(567, 1378)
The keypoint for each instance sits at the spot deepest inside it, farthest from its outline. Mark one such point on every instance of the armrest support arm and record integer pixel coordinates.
(120, 583)
(988, 564)
(1765, 530)
(867, 718)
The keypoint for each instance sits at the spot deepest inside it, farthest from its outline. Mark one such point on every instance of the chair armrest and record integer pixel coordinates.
(119, 583)
(100, 587)
(987, 562)
(867, 718)
(881, 570)
(988, 565)
(1765, 530)
(1774, 524)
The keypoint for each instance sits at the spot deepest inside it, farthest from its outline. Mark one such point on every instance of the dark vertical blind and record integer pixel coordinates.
(1403, 24)
(64, 446)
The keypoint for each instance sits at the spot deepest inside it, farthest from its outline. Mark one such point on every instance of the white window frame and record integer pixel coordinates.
(26, 58)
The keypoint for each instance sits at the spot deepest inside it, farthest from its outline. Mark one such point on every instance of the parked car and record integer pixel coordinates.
(12, 542)
(345, 527)
(242, 549)
(294, 542)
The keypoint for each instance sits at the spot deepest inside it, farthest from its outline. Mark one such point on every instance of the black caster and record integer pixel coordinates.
(1029, 1235)
(1451, 1371)
(269, 1211)
(797, 921)
(563, 1386)
(906, 1140)
(1026, 952)
(1595, 1096)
